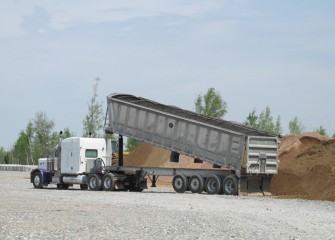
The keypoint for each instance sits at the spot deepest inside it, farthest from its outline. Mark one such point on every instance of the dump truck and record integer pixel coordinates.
(244, 159)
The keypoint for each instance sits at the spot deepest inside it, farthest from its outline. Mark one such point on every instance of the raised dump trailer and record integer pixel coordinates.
(244, 159)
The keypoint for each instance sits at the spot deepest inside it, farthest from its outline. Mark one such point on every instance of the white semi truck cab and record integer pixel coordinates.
(74, 159)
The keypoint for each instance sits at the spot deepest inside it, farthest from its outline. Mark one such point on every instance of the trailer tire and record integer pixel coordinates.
(94, 182)
(213, 184)
(196, 184)
(230, 185)
(37, 180)
(179, 183)
(108, 182)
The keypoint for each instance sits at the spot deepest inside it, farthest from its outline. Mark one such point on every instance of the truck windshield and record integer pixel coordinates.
(91, 153)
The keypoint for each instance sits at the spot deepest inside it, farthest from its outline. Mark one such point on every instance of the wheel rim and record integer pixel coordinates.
(108, 182)
(195, 183)
(178, 183)
(37, 180)
(230, 186)
(212, 185)
(93, 182)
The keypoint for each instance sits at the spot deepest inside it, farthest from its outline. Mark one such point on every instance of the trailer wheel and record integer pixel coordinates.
(196, 184)
(37, 180)
(108, 182)
(179, 183)
(230, 185)
(94, 182)
(213, 184)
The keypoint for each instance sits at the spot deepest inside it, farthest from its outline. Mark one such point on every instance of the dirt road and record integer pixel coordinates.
(157, 213)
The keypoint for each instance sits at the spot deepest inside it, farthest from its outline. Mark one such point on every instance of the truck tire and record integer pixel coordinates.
(196, 184)
(108, 182)
(179, 183)
(213, 184)
(38, 180)
(230, 185)
(94, 182)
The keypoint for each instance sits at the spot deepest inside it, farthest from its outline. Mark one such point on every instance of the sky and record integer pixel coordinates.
(256, 53)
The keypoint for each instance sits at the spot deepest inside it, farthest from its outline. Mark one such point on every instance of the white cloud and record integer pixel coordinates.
(64, 14)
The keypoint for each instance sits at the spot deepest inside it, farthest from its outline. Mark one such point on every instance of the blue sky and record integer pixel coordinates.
(256, 53)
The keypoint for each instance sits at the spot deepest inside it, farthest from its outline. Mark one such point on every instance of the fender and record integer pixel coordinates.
(46, 176)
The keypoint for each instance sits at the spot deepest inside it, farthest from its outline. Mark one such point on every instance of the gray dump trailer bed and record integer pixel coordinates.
(222, 143)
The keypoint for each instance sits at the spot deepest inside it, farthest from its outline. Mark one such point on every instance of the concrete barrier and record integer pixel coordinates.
(15, 167)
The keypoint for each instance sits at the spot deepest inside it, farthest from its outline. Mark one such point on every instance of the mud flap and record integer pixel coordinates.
(243, 186)
(266, 181)
(254, 186)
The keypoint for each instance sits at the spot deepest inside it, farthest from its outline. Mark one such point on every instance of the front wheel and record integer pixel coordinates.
(94, 182)
(38, 180)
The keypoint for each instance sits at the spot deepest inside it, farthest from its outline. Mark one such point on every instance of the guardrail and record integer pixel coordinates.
(15, 167)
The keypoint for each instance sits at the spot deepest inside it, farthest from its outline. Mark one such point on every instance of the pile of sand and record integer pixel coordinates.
(307, 167)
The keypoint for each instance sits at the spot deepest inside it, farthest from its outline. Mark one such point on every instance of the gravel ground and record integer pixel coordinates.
(157, 213)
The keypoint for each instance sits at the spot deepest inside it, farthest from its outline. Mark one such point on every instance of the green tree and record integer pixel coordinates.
(211, 104)
(295, 126)
(322, 131)
(67, 133)
(44, 140)
(252, 120)
(93, 121)
(278, 128)
(21, 151)
(2, 155)
(264, 121)
(334, 135)
(132, 144)
(24, 151)
(37, 140)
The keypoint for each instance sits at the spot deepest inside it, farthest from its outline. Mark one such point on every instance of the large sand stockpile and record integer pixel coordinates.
(306, 169)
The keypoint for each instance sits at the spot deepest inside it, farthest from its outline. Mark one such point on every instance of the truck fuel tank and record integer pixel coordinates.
(81, 179)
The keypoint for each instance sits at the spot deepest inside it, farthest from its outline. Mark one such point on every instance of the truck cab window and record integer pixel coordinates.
(91, 153)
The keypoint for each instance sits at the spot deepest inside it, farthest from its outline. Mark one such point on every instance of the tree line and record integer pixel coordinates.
(39, 139)
(211, 104)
